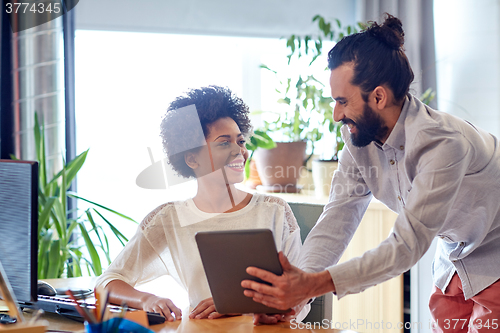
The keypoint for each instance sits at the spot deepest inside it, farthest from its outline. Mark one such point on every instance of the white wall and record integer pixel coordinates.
(256, 18)
(468, 60)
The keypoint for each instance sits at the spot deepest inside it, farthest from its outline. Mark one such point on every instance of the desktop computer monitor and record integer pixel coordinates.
(19, 226)
(19, 240)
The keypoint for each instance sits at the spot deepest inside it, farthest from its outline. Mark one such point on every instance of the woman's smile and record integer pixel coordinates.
(237, 164)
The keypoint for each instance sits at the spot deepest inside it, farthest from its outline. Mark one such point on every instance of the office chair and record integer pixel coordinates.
(307, 215)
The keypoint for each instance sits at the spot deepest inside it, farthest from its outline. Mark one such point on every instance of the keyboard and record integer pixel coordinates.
(65, 307)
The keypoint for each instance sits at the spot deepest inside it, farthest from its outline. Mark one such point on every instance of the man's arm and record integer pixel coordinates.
(289, 289)
(324, 245)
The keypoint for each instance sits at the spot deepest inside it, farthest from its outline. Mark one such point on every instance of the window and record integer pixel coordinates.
(124, 83)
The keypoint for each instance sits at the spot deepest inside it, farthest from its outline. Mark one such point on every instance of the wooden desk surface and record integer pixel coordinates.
(238, 324)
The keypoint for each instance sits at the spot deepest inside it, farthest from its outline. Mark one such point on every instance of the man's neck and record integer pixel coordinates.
(391, 117)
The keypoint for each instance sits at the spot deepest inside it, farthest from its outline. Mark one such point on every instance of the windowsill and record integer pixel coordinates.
(309, 197)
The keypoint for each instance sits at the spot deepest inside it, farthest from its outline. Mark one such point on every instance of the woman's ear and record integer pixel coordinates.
(191, 160)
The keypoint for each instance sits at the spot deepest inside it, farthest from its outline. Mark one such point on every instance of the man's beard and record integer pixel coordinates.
(369, 127)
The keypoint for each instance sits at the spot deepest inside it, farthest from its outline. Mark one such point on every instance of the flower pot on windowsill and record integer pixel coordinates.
(322, 172)
(254, 179)
(279, 168)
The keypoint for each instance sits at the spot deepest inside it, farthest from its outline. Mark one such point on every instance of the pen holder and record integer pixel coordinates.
(116, 325)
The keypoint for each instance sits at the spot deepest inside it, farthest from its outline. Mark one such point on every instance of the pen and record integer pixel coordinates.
(123, 310)
(36, 316)
(80, 309)
(104, 305)
(98, 301)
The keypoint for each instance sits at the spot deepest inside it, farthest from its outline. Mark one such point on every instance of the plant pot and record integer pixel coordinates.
(254, 179)
(322, 172)
(279, 168)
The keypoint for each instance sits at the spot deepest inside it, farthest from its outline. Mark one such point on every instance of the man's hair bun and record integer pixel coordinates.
(390, 32)
(378, 56)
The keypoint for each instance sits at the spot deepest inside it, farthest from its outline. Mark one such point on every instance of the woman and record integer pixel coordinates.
(203, 135)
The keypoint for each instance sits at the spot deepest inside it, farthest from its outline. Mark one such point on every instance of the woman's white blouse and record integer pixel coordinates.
(164, 243)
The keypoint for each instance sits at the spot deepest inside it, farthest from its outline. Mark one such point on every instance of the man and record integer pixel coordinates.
(439, 173)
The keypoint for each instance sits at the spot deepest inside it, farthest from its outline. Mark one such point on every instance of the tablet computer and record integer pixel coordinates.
(226, 255)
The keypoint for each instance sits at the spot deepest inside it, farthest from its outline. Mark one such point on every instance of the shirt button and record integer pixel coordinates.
(402, 147)
(399, 198)
(462, 243)
(392, 162)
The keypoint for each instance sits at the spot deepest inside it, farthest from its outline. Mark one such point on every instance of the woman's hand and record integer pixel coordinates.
(206, 309)
(163, 306)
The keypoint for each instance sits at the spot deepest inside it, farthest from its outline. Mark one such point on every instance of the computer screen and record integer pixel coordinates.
(18, 226)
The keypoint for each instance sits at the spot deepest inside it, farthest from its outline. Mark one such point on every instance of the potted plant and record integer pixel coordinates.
(259, 139)
(308, 115)
(67, 246)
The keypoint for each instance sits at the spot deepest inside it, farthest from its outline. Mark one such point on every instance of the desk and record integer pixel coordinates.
(238, 324)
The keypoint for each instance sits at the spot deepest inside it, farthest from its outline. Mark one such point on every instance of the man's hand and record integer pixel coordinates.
(267, 319)
(290, 289)
(206, 309)
(262, 318)
(163, 306)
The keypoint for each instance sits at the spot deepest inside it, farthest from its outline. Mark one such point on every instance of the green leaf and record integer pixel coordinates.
(269, 69)
(74, 195)
(247, 165)
(285, 100)
(40, 152)
(94, 256)
(62, 194)
(115, 231)
(44, 241)
(74, 266)
(74, 166)
(55, 260)
(362, 26)
(43, 217)
(90, 218)
(291, 43)
(263, 140)
(306, 43)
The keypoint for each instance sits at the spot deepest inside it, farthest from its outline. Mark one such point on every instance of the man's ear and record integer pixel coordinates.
(191, 160)
(380, 96)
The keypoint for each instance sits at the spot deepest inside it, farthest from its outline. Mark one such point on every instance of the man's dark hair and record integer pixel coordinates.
(378, 57)
(179, 129)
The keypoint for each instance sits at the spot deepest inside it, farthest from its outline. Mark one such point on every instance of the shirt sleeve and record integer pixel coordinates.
(139, 261)
(348, 201)
(439, 164)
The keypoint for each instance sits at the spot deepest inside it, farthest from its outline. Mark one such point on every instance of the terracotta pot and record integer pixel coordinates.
(254, 179)
(279, 168)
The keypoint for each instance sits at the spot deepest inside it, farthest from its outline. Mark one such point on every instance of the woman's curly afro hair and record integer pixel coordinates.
(179, 129)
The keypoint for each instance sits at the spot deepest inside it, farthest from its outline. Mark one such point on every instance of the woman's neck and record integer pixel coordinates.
(220, 199)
